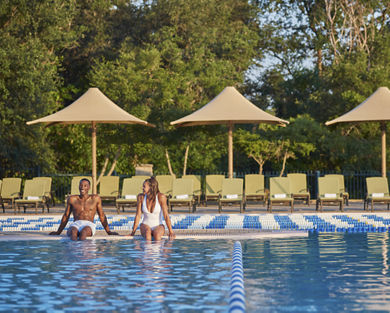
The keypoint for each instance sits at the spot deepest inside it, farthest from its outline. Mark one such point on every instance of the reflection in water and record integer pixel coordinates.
(385, 253)
(328, 273)
(128, 275)
(154, 268)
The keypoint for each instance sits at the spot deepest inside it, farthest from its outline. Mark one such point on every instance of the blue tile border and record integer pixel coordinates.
(321, 222)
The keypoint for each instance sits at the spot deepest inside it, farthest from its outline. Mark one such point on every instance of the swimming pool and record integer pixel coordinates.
(322, 273)
(328, 272)
(120, 276)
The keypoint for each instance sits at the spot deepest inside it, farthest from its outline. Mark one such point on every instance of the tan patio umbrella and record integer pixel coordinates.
(92, 107)
(376, 108)
(229, 107)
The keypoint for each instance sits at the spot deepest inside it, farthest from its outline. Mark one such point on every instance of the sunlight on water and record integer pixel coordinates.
(322, 273)
(115, 276)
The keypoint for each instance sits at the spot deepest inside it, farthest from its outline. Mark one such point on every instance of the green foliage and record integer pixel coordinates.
(30, 35)
(163, 59)
(190, 56)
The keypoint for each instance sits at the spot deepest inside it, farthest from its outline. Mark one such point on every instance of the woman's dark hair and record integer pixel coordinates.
(153, 191)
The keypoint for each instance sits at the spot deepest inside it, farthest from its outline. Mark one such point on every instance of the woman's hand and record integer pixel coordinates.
(171, 235)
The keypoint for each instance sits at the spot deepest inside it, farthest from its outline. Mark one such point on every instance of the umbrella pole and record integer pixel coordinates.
(230, 148)
(94, 187)
(383, 128)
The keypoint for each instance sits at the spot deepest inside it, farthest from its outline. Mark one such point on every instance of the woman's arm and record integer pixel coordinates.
(163, 202)
(137, 214)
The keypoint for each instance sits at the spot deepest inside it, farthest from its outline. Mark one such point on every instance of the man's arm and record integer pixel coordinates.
(103, 217)
(163, 202)
(65, 218)
(137, 214)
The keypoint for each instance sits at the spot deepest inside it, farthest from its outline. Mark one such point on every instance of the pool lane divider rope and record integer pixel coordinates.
(237, 290)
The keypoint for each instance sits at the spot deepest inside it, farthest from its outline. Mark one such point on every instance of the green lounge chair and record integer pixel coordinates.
(280, 192)
(329, 192)
(131, 188)
(197, 186)
(232, 192)
(109, 188)
(254, 188)
(10, 190)
(213, 187)
(48, 194)
(298, 187)
(142, 177)
(377, 191)
(33, 195)
(165, 183)
(183, 194)
(342, 186)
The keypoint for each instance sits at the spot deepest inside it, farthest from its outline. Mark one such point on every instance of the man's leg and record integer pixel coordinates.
(146, 232)
(85, 232)
(73, 233)
(158, 232)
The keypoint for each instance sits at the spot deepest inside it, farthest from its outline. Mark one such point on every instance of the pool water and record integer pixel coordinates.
(119, 276)
(321, 273)
(328, 272)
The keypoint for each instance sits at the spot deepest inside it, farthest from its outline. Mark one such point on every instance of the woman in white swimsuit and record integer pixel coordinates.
(152, 204)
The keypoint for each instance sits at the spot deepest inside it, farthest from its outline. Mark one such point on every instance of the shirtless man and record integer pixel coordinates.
(83, 207)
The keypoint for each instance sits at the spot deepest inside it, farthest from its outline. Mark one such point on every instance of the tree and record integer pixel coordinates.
(31, 35)
(189, 55)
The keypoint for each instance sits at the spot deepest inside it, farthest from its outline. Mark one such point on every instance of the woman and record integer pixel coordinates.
(153, 205)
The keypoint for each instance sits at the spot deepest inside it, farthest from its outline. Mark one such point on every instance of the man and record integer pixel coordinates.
(83, 207)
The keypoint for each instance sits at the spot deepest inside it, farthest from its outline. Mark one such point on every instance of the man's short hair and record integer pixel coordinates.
(85, 179)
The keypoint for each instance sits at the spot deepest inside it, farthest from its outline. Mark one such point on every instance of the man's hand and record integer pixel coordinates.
(112, 233)
(172, 235)
(54, 233)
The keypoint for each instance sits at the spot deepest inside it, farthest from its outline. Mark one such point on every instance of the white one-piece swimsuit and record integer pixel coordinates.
(152, 219)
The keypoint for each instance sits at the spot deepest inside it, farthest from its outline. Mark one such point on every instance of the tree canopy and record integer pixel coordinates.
(307, 61)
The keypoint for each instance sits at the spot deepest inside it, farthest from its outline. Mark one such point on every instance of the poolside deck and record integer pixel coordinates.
(206, 221)
(355, 206)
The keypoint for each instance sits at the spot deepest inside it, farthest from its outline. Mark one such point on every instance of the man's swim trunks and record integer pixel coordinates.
(80, 224)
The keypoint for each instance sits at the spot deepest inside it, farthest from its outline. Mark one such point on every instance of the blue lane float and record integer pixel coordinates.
(237, 290)
(321, 222)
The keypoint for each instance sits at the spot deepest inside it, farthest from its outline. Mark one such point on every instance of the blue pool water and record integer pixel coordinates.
(330, 272)
(321, 273)
(119, 276)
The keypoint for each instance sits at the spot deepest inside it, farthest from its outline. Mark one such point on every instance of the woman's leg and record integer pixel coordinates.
(146, 232)
(158, 232)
